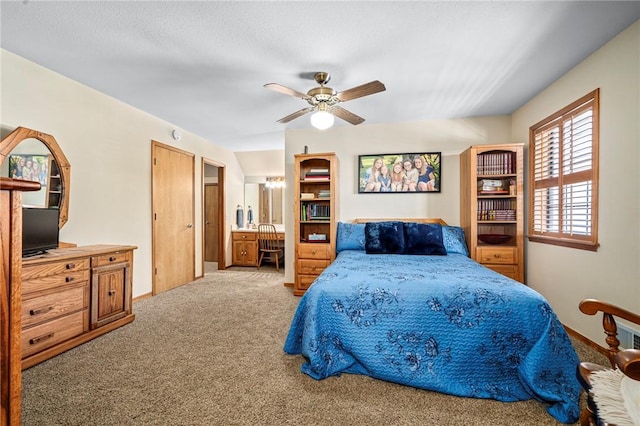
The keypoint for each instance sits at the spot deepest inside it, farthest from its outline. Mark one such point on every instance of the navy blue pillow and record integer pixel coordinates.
(384, 238)
(424, 238)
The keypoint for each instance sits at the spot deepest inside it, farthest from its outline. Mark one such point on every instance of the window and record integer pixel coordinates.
(563, 176)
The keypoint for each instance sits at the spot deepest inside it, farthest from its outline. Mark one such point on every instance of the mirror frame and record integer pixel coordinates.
(21, 133)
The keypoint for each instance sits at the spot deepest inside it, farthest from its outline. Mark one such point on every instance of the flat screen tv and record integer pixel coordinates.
(39, 230)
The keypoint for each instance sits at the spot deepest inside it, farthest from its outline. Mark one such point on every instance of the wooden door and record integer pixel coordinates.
(211, 211)
(173, 217)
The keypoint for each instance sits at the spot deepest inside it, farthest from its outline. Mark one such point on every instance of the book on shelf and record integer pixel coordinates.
(496, 163)
(307, 195)
(322, 171)
(312, 211)
(316, 177)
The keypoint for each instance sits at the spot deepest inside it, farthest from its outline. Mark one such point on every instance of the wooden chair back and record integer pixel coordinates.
(268, 243)
(609, 313)
(627, 361)
(268, 238)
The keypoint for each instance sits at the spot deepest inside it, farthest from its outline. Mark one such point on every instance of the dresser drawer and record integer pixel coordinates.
(54, 268)
(111, 258)
(53, 281)
(506, 255)
(50, 306)
(43, 336)
(314, 251)
(244, 236)
(311, 267)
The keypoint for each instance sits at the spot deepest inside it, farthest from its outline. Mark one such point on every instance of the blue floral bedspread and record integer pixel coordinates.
(443, 323)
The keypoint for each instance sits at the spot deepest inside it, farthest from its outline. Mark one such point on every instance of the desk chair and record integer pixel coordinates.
(268, 243)
(627, 361)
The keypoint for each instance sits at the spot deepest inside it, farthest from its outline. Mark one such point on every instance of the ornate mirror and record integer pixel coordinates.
(31, 155)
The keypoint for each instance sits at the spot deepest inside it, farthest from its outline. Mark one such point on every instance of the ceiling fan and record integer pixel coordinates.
(326, 101)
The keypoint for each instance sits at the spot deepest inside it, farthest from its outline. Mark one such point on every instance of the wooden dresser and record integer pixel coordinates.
(72, 295)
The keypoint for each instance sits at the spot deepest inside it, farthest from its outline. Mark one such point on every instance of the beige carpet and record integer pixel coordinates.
(210, 353)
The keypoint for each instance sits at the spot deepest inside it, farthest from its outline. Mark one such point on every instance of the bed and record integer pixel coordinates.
(436, 321)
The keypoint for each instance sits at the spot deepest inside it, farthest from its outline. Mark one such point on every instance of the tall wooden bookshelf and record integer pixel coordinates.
(316, 212)
(492, 206)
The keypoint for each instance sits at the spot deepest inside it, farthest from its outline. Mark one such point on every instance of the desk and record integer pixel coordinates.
(245, 245)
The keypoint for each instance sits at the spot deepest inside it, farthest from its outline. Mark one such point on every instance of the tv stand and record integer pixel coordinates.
(72, 295)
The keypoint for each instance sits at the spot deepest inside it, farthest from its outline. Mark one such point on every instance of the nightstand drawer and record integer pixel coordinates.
(506, 255)
(313, 251)
(50, 306)
(40, 337)
(305, 281)
(510, 271)
(313, 267)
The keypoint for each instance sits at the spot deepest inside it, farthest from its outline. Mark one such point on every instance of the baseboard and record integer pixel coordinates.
(142, 297)
(288, 284)
(587, 341)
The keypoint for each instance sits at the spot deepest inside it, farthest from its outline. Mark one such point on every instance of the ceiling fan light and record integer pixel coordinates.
(322, 120)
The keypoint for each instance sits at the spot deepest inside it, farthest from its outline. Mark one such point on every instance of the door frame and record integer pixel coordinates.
(222, 254)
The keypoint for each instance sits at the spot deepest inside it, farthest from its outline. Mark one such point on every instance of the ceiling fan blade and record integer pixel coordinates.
(360, 91)
(348, 116)
(285, 90)
(295, 115)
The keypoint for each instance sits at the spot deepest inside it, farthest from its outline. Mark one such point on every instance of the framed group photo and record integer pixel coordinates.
(408, 172)
(32, 167)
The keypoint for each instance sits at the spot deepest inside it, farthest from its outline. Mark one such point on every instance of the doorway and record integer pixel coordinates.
(173, 201)
(213, 226)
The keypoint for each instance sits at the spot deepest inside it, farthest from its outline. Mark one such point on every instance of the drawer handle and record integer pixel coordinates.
(497, 256)
(68, 279)
(70, 265)
(112, 258)
(313, 268)
(33, 312)
(37, 340)
(111, 292)
(313, 252)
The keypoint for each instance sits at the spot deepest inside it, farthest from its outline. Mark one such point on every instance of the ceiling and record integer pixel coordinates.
(201, 65)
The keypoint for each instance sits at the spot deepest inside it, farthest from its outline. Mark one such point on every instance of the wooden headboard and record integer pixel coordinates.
(406, 219)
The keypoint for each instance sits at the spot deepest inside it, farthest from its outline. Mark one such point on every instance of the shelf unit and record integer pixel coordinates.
(54, 184)
(316, 210)
(492, 205)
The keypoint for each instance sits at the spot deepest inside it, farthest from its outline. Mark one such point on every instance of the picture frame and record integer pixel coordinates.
(33, 167)
(424, 177)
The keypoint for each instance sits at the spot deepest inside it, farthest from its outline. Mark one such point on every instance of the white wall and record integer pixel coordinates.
(450, 137)
(108, 144)
(564, 275)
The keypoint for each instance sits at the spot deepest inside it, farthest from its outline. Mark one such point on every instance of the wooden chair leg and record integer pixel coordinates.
(587, 418)
(260, 260)
(277, 263)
